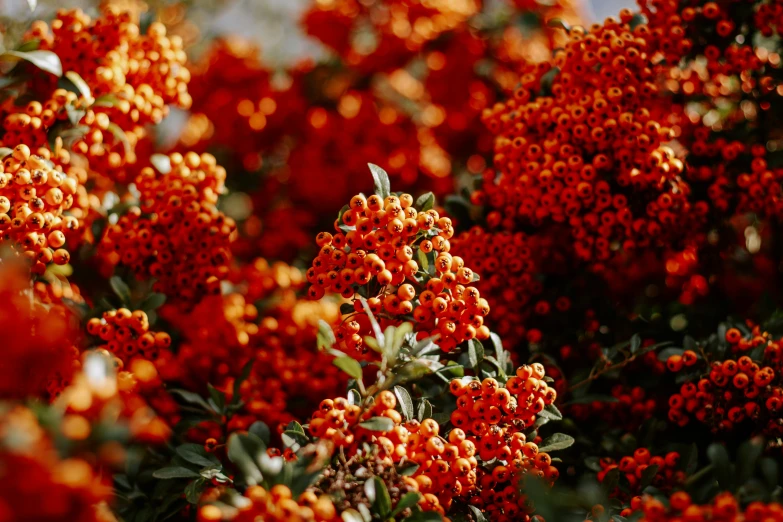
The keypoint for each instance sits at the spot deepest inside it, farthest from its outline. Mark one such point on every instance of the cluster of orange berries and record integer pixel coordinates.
(401, 27)
(447, 468)
(177, 236)
(579, 155)
(275, 505)
(127, 334)
(734, 390)
(666, 477)
(380, 253)
(725, 507)
(34, 203)
(494, 419)
(133, 77)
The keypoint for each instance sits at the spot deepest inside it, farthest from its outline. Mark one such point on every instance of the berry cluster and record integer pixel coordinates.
(632, 467)
(127, 334)
(724, 508)
(379, 254)
(177, 236)
(275, 505)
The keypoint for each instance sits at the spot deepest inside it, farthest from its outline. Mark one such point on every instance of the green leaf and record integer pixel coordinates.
(153, 301)
(161, 162)
(218, 398)
(558, 441)
(196, 454)
(44, 60)
(636, 343)
(381, 181)
(720, 460)
(120, 289)
(747, 457)
(408, 500)
(647, 476)
(559, 23)
(475, 353)
(424, 411)
(245, 452)
(350, 366)
(325, 336)
(550, 412)
(354, 397)
(192, 398)
(405, 402)
(294, 439)
(408, 469)
(174, 472)
(611, 479)
(378, 495)
(478, 516)
(5, 151)
(261, 430)
(424, 263)
(193, 491)
(295, 426)
(425, 202)
(80, 85)
(378, 424)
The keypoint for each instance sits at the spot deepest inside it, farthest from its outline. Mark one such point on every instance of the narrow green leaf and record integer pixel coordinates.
(193, 491)
(349, 365)
(196, 454)
(261, 430)
(245, 452)
(405, 402)
(174, 473)
(153, 301)
(636, 343)
(120, 289)
(192, 398)
(720, 460)
(475, 353)
(218, 398)
(381, 502)
(647, 476)
(325, 336)
(378, 424)
(550, 412)
(381, 181)
(81, 86)
(558, 441)
(293, 439)
(424, 411)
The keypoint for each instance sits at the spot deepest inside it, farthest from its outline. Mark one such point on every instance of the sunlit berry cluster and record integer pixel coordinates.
(494, 419)
(275, 505)
(127, 334)
(177, 235)
(377, 256)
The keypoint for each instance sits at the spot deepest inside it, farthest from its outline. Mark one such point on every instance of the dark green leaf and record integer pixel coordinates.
(44, 60)
(381, 181)
(174, 473)
(120, 288)
(478, 516)
(378, 495)
(350, 366)
(245, 451)
(261, 430)
(636, 343)
(405, 402)
(193, 491)
(550, 412)
(407, 469)
(558, 441)
(425, 202)
(196, 454)
(720, 460)
(153, 301)
(293, 439)
(218, 398)
(647, 476)
(747, 458)
(193, 398)
(406, 501)
(475, 353)
(424, 411)
(378, 424)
